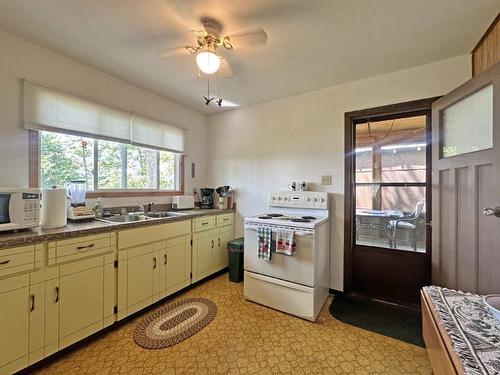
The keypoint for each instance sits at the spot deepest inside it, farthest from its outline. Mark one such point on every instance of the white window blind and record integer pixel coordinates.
(150, 133)
(48, 109)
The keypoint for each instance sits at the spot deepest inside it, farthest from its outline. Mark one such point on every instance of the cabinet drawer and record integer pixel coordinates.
(18, 259)
(152, 233)
(81, 247)
(225, 219)
(203, 223)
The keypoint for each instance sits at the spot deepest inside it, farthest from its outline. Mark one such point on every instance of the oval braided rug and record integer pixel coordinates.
(174, 323)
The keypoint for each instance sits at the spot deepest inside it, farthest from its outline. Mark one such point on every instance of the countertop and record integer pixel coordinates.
(74, 229)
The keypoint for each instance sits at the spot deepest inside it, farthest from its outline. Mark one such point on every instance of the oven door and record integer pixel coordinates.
(298, 268)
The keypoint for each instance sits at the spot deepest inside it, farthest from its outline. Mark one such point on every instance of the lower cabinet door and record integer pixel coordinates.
(37, 322)
(81, 300)
(203, 254)
(178, 263)
(225, 235)
(52, 298)
(140, 271)
(15, 306)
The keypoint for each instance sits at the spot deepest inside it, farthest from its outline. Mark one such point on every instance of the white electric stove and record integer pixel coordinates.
(295, 284)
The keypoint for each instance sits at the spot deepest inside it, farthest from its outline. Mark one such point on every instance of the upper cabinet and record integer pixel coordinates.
(487, 51)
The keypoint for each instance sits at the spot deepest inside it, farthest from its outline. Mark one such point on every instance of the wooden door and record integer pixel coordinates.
(388, 200)
(15, 305)
(81, 300)
(178, 263)
(466, 185)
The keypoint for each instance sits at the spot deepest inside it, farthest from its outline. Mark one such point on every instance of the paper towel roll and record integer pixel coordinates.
(54, 211)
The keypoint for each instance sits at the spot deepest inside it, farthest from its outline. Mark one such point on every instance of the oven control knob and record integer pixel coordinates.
(285, 198)
(273, 198)
(322, 200)
(279, 198)
(315, 199)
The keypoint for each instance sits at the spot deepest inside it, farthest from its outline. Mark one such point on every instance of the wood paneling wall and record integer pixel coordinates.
(487, 51)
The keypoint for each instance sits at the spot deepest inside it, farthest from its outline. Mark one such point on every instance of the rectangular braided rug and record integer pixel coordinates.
(475, 333)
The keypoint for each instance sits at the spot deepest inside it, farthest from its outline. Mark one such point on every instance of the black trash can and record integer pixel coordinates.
(235, 254)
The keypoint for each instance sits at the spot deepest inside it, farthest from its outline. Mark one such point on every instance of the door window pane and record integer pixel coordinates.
(467, 125)
(390, 183)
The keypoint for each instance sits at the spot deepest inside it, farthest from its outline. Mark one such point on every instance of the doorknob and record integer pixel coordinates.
(495, 211)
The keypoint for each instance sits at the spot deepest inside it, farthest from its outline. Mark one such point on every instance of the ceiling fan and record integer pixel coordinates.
(209, 40)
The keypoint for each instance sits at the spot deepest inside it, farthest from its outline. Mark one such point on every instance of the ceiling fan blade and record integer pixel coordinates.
(164, 53)
(248, 38)
(226, 70)
(184, 14)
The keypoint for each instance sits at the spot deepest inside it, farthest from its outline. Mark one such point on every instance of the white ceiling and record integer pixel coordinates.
(311, 44)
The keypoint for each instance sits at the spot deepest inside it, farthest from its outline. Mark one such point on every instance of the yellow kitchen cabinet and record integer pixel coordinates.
(159, 270)
(37, 317)
(178, 263)
(204, 244)
(209, 246)
(15, 306)
(81, 300)
(52, 295)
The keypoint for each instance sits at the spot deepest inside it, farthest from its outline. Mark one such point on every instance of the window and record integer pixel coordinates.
(106, 165)
(390, 182)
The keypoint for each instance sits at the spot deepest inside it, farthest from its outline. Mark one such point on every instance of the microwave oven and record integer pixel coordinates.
(19, 208)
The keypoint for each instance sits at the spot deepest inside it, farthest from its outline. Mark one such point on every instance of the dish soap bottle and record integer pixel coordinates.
(98, 208)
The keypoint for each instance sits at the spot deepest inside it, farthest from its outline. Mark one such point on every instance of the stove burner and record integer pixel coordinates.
(265, 217)
(274, 215)
(300, 220)
(309, 217)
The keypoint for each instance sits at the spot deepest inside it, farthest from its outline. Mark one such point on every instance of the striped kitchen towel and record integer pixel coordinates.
(264, 237)
(285, 242)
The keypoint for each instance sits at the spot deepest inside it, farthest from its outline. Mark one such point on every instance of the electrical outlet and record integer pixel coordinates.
(326, 180)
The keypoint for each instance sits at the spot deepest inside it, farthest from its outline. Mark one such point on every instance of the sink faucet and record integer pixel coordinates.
(150, 205)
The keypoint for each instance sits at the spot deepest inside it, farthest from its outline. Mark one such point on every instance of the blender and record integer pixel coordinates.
(76, 201)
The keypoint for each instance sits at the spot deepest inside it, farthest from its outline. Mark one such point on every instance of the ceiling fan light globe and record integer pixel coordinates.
(208, 62)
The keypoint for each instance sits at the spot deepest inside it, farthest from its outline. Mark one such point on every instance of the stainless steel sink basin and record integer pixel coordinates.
(162, 214)
(124, 218)
(128, 218)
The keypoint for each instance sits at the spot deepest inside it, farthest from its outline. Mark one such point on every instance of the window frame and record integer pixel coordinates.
(34, 176)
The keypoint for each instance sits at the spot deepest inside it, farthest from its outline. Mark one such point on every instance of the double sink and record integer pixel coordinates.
(142, 216)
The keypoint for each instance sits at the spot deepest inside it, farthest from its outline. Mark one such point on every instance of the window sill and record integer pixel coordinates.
(132, 193)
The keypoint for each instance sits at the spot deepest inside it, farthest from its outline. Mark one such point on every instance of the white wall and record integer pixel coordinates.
(263, 147)
(23, 59)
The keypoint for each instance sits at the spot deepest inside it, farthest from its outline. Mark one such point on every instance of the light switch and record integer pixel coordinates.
(326, 180)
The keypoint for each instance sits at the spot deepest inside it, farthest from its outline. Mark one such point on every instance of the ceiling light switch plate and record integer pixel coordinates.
(326, 180)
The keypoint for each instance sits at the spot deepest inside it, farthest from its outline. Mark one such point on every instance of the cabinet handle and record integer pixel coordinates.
(57, 294)
(205, 223)
(213, 244)
(154, 263)
(4, 262)
(32, 301)
(85, 247)
(165, 256)
(219, 243)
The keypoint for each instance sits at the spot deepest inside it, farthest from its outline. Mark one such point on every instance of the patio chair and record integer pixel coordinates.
(406, 222)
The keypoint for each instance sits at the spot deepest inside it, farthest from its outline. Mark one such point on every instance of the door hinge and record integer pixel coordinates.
(115, 309)
(115, 264)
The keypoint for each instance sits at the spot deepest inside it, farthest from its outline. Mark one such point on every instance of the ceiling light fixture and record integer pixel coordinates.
(208, 61)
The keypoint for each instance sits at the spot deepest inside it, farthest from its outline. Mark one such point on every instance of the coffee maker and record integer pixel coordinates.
(207, 197)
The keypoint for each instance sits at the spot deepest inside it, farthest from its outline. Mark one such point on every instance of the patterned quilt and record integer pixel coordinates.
(475, 333)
